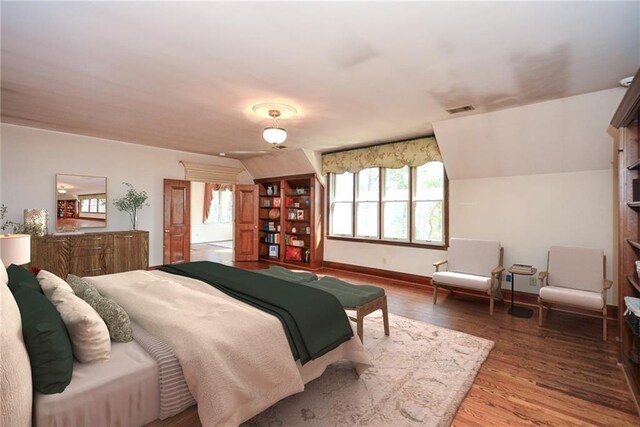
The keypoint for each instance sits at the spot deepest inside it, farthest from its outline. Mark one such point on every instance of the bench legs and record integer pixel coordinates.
(368, 308)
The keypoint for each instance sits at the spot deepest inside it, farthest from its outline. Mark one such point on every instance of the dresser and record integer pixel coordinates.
(91, 254)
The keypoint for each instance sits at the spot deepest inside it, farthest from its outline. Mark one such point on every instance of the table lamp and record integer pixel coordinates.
(15, 249)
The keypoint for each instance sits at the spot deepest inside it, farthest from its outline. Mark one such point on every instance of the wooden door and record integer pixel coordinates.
(177, 221)
(246, 223)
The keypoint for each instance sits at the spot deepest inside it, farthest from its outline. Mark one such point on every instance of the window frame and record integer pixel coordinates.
(409, 242)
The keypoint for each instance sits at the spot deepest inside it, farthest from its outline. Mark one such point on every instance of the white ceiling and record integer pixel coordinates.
(185, 75)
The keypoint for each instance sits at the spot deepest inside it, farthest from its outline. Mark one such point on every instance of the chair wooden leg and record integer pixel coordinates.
(385, 316)
(491, 305)
(604, 323)
(540, 308)
(435, 294)
(360, 323)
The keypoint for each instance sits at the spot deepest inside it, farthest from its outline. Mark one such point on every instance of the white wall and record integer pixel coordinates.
(32, 157)
(205, 232)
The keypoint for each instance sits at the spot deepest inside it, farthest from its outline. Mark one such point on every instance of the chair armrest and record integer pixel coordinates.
(437, 264)
(542, 277)
(499, 269)
(607, 284)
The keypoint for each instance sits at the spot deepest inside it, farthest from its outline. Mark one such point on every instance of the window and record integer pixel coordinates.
(405, 205)
(342, 205)
(93, 203)
(221, 210)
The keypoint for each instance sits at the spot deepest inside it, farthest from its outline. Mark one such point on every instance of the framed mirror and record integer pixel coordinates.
(81, 202)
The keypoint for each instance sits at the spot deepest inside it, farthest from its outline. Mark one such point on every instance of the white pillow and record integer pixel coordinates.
(4, 277)
(49, 282)
(16, 392)
(89, 335)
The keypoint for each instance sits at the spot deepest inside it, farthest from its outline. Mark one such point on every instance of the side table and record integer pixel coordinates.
(523, 312)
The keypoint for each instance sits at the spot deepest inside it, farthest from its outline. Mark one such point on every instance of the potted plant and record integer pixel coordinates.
(131, 203)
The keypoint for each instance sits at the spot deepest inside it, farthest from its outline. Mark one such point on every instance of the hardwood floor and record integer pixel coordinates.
(561, 374)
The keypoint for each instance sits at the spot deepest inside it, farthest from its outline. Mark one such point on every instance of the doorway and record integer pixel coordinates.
(212, 222)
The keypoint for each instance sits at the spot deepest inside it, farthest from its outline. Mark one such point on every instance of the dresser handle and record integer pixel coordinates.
(92, 238)
(93, 270)
(125, 237)
(59, 241)
(96, 248)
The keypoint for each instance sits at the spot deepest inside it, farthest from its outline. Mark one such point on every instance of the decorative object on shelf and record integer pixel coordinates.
(276, 203)
(274, 213)
(306, 255)
(293, 229)
(300, 215)
(273, 251)
(275, 134)
(18, 228)
(308, 230)
(275, 189)
(293, 254)
(131, 203)
(15, 248)
(301, 190)
(269, 190)
(37, 219)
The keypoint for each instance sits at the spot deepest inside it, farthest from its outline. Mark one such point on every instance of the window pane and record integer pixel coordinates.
(93, 205)
(343, 187)
(368, 184)
(396, 184)
(367, 219)
(226, 206)
(341, 219)
(84, 205)
(395, 220)
(214, 208)
(429, 221)
(429, 181)
(102, 205)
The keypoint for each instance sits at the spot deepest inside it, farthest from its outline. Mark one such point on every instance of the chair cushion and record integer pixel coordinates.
(349, 295)
(575, 297)
(462, 280)
(473, 256)
(576, 268)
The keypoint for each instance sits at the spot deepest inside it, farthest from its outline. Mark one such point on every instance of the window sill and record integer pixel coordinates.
(390, 242)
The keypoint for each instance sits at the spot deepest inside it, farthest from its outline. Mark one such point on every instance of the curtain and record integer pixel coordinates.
(210, 173)
(395, 155)
(209, 188)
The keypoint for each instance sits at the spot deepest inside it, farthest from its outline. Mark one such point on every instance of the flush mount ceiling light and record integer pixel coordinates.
(62, 190)
(275, 134)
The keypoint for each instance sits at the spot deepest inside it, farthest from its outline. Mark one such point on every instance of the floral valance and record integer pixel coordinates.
(414, 153)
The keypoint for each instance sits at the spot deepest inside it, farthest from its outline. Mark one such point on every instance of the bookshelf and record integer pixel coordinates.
(290, 215)
(67, 209)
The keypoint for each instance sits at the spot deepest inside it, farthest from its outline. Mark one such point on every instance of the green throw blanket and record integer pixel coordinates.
(313, 320)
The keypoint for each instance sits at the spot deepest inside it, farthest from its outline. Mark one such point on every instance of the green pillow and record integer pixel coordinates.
(116, 319)
(23, 277)
(46, 339)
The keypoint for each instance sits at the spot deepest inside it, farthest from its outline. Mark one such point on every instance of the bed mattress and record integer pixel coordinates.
(122, 391)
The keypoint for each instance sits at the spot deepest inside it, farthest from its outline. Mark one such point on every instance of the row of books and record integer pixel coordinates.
(272, 238)
(269, 226)
(522, 268)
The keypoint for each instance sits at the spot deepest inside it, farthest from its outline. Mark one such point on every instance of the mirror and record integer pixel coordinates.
(81, 202)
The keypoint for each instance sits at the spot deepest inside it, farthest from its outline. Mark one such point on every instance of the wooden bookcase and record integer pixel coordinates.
(626, 120)
(67, 209)
(290, 220)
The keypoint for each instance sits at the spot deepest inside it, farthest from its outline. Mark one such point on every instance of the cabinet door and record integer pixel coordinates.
(130, 252)
(51, 253)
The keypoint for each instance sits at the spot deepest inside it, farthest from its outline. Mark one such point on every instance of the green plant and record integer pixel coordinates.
(132, 202)
(18, 227)
(3, 222)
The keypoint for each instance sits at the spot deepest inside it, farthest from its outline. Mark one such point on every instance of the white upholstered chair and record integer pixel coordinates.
(472, 264)
(575, 277)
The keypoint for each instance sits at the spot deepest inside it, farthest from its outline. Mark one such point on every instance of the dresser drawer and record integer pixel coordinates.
(92, 244)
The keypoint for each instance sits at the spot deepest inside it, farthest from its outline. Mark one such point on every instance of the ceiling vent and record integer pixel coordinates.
(462, 109)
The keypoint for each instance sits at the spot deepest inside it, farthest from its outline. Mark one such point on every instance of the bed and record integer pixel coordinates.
(235, 359)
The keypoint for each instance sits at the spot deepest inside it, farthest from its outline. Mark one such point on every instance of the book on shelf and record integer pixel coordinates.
(273, 251)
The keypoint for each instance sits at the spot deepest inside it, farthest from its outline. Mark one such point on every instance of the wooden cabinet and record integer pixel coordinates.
(627, 121)
(91, 254)
(290, 220)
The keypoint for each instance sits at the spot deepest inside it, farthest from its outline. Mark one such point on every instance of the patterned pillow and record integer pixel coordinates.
(114, 316)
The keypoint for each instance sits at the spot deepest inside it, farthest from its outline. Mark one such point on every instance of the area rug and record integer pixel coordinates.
(420, 375)
(225, 244)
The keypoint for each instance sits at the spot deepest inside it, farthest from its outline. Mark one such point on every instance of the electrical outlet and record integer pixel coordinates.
(508, 278)
(532, 281)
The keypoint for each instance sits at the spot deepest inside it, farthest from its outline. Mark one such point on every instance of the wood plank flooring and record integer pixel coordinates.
(561, 374)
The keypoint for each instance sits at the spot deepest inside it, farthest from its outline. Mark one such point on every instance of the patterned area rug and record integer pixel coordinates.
(420, 376)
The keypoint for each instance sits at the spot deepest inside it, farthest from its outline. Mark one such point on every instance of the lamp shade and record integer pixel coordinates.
(15, 249)
(274, 135)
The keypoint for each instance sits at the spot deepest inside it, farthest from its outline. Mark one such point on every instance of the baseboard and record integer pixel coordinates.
(418, 281)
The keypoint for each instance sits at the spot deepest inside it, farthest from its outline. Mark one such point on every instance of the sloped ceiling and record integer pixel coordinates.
(184, 75)
(564, 135)
(285, 162)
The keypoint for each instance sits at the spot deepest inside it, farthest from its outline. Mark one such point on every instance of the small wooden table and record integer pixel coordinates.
(523, 312)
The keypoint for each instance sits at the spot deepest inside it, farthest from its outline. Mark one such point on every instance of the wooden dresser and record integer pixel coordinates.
(91, 254)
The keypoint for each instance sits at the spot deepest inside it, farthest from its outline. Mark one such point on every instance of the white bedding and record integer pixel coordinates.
(236, 359)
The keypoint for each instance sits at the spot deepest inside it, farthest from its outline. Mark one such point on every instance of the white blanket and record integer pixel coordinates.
(236, 359)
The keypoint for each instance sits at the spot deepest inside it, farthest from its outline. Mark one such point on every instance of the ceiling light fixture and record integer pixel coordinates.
(274, 135)
(61, 190)
(626, 82)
